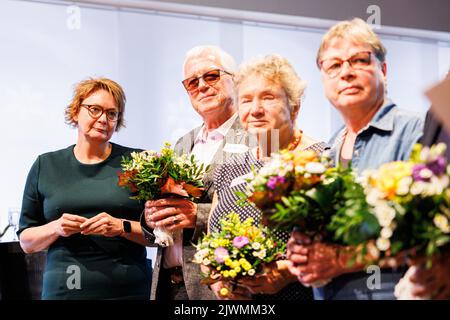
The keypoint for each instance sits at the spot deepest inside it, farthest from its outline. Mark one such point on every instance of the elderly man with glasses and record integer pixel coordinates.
(352, 63)
(209, 83)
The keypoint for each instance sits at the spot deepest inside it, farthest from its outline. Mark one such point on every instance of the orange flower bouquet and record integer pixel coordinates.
(153, 175)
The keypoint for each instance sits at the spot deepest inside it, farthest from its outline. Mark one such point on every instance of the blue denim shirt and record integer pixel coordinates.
(388, 137)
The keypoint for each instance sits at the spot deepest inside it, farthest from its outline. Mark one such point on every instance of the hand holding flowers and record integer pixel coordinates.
(316, 263)
(421, 283)
(170, 183)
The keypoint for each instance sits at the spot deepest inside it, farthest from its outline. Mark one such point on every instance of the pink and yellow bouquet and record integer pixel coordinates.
(411, 201)
(300, 189)
(239, 250)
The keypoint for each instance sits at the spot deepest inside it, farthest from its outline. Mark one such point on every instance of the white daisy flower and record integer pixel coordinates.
(426, 173)
(403, 186)
(383, 244)
(315, 168)
(385, 214)
(386, 233)
(256, 245)
(261, 254)
(417, 188)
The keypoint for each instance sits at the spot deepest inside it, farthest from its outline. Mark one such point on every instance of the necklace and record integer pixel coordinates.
(297, 139)
(291, 146)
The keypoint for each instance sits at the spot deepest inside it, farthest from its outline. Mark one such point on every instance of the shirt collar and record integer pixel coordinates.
(218, 133)
(225, 127)
(384, 118)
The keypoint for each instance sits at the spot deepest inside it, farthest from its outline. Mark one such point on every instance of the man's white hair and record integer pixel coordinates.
(214, 52)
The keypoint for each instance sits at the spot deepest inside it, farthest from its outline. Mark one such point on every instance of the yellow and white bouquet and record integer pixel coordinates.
(411, 201)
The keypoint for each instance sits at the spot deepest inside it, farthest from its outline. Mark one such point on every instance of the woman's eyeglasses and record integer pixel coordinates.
(211, 77)
(96, 112)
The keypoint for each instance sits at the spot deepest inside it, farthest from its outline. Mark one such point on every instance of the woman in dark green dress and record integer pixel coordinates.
(73, 207)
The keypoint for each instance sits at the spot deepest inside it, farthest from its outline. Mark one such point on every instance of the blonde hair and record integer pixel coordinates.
(277, 69)
(85, 88)
(355, 29)
(225, 59)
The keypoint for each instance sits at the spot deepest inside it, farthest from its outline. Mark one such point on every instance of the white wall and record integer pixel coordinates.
(41, 59)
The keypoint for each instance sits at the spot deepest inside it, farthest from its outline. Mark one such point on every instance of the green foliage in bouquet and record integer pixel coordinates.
(150, 175)
(299, 189)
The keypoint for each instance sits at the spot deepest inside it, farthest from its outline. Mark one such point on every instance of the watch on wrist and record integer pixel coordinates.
(126, 226)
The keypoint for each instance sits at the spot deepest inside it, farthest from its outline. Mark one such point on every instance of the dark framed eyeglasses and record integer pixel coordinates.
(211, 77)
(358, 61)
(96, 111)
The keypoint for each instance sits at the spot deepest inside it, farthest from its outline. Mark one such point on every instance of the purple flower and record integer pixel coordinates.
(281, 179)
(416, 172)
(273, 181)
(220, 254)
(437, 166)
(240, 241)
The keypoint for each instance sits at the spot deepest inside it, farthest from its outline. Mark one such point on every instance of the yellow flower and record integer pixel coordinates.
(224, 292)
(301, 157)
(389, 175)
(441, 222)
(234, 264)
(214, 244)
(233, 273)
(269, 244)
(238, 269)
(226, 273)
(247, 266)
(222, 242)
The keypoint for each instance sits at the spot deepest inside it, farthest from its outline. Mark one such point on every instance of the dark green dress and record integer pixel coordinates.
(85, 267)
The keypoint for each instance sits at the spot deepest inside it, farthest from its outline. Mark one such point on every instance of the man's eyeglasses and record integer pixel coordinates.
(96, 112)
(211, 77)
(358, 61)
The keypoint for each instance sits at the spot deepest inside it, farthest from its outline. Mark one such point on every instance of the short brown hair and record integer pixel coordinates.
(87, 87)
(355, 29)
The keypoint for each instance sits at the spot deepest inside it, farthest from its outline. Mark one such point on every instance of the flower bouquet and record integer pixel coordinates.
(153, 175)
(299, 189)
(239, 250)
(411, 201)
